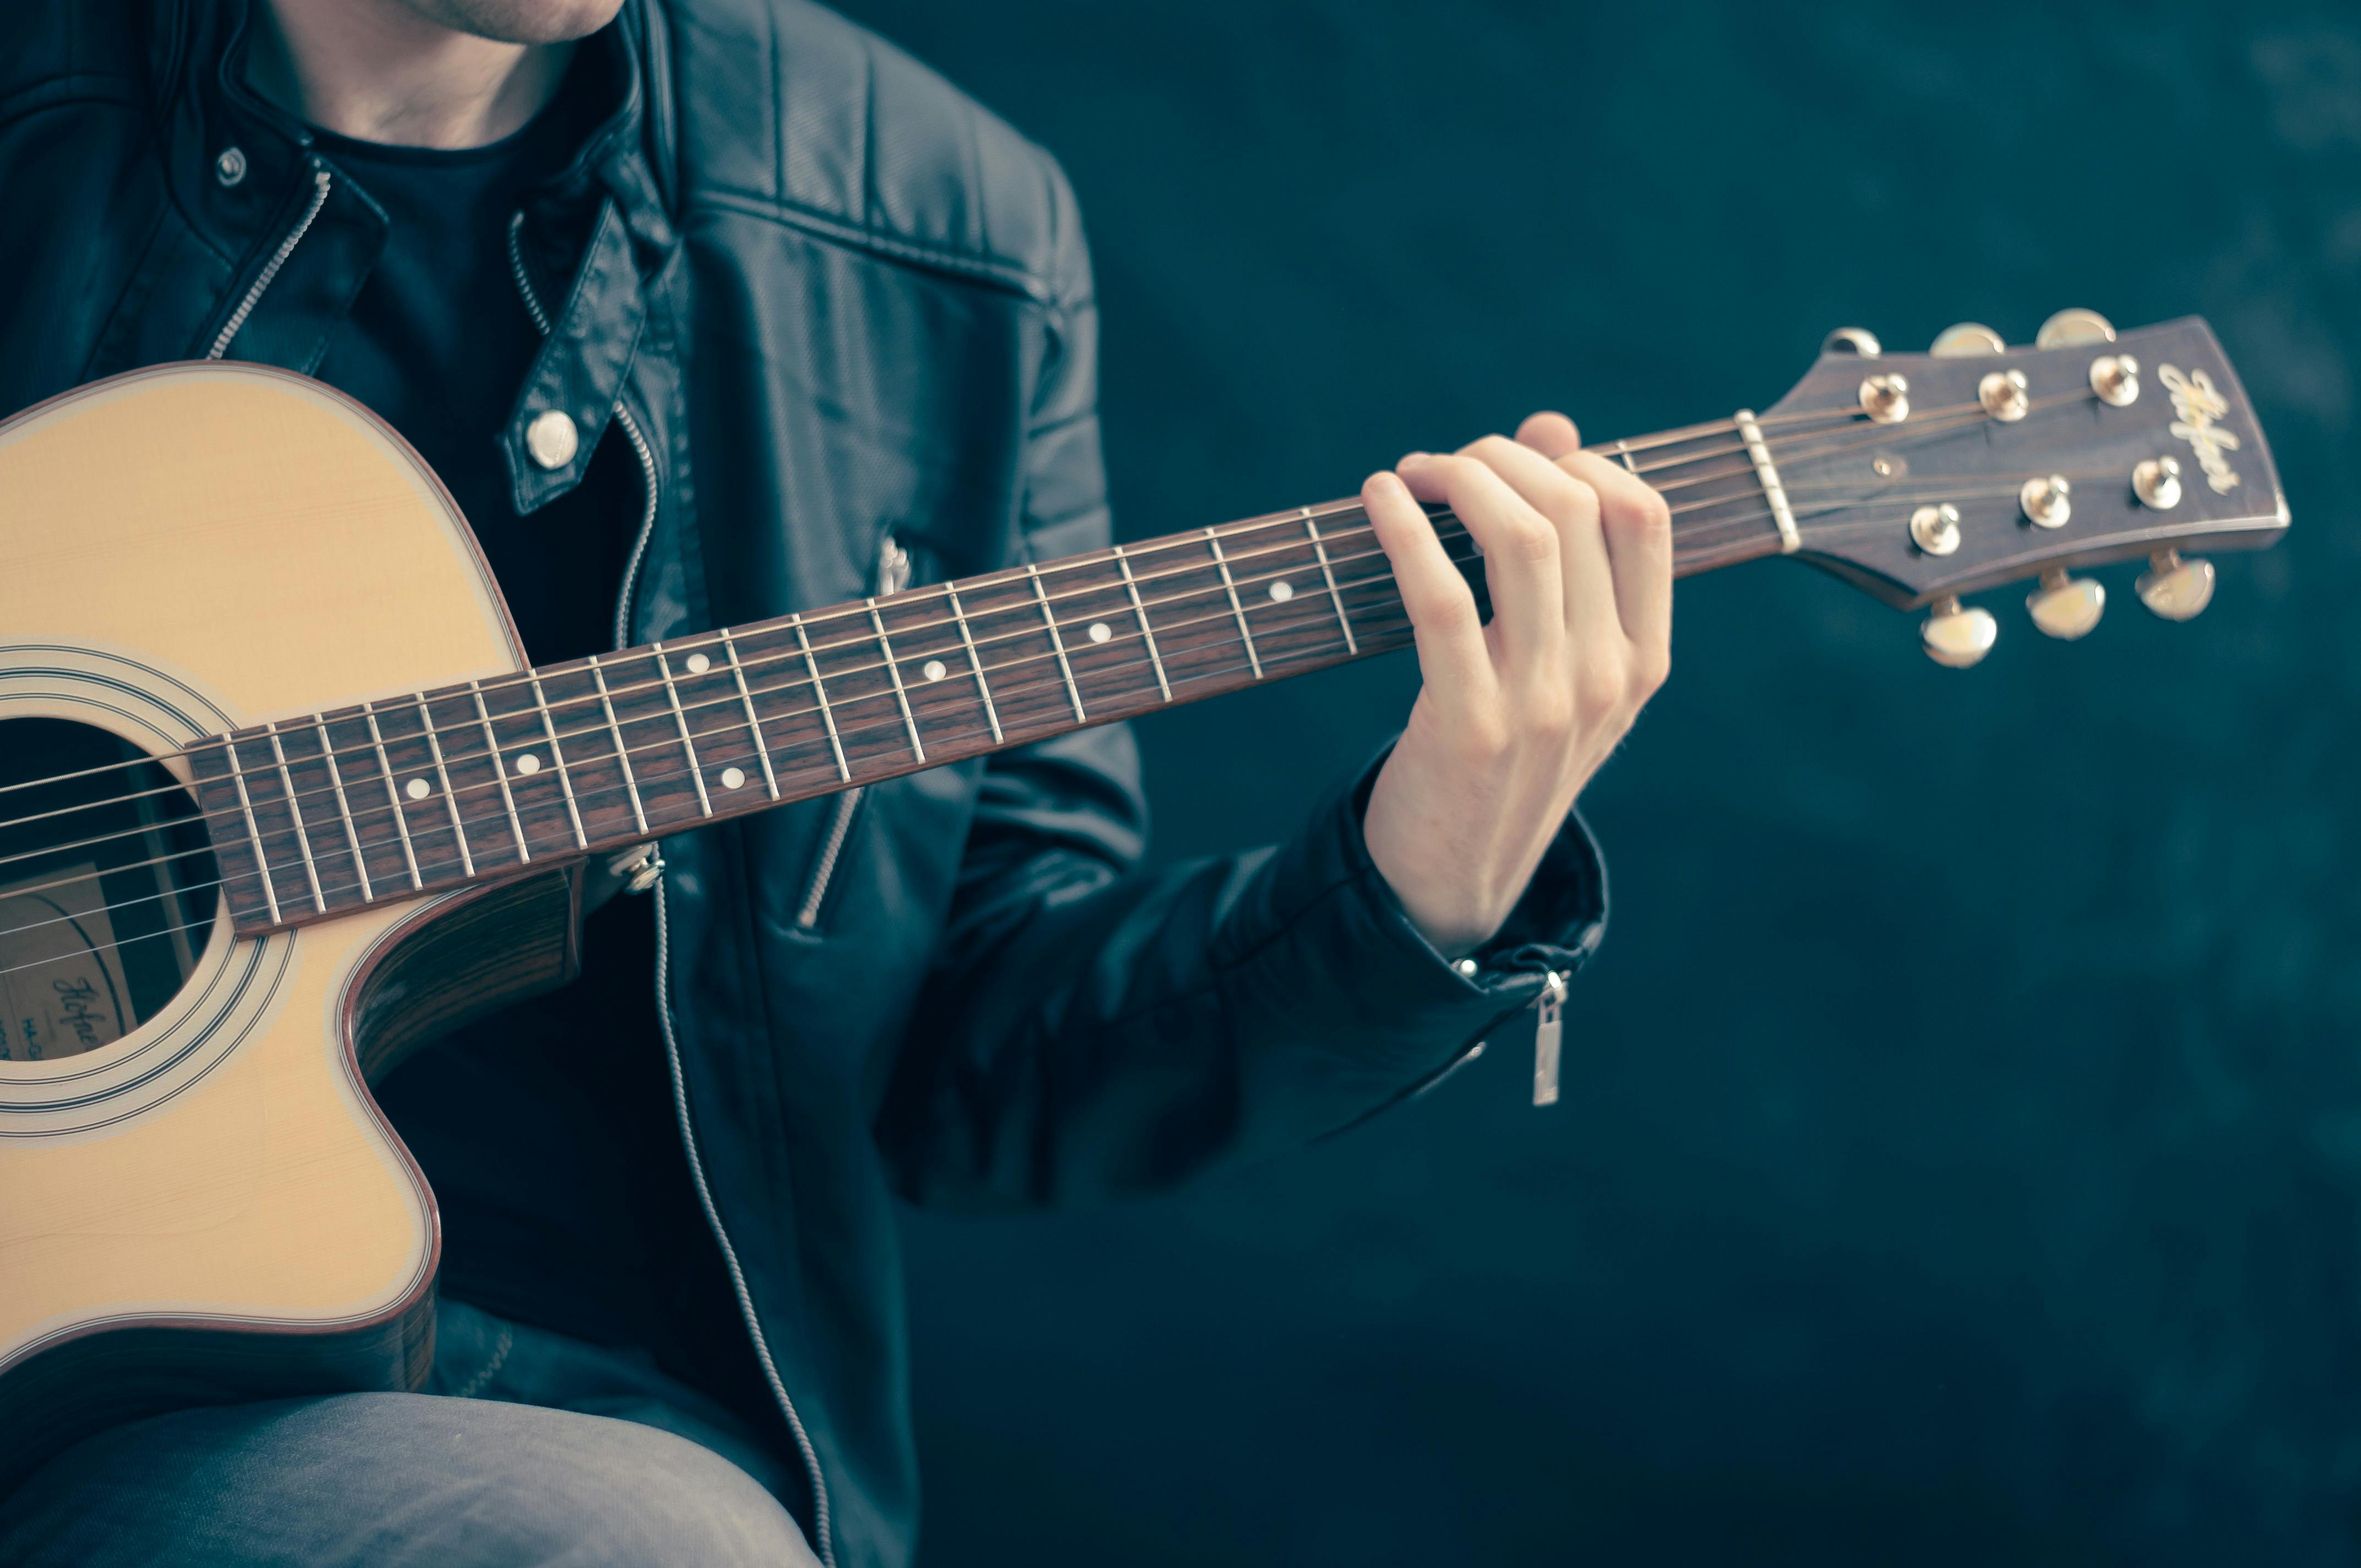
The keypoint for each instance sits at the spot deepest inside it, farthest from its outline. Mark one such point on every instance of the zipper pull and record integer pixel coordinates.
(1546, 1031)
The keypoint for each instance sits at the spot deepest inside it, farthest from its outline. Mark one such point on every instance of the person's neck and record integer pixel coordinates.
(378, 71)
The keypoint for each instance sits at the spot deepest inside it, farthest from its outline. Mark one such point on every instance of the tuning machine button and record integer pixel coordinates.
(2003, 396)
(1936, 530)
(2067, 328)
(2047, 501)
(2116, 378)
(2066, 608)
(1966, 340)
(2157, 483)
(1955, 636)
(1886, 398)
(2174, 589)
(1854, 340)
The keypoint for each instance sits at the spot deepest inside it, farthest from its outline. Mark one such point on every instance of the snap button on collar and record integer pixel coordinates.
(230, 167)
(551, 439)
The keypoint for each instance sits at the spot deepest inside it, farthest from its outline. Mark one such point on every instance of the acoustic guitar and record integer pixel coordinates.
(281, 800)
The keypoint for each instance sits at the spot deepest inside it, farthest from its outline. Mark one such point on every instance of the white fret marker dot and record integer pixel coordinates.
(416, 789)
(933, 669)
(1100, 630)
(733, 777)
(699, 664)
(528, 763)
(1282, 590)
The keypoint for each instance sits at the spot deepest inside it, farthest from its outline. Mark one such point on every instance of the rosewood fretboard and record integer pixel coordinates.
(317, 816)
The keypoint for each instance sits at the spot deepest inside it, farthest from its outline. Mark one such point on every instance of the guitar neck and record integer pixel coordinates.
(319, 815)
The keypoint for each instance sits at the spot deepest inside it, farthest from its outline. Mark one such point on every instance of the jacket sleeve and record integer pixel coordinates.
(1090, 1028)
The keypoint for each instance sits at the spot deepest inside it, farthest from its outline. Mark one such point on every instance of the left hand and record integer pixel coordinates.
(1517, 713)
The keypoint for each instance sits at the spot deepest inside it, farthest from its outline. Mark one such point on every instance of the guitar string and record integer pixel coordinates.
(665, 748)
(673, 745)
(651, 781)
(1840, 418)
(1934, 421)
(1749, 526)
(1024, 609)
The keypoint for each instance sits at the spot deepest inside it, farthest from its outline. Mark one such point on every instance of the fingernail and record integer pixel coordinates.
(1390, 483)
(1411, 457)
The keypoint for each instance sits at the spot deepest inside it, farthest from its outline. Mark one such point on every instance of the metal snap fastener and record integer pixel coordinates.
(552, 440)
(230, 167)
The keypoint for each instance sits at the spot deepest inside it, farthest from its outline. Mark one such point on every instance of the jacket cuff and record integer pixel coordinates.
(1416, 1010)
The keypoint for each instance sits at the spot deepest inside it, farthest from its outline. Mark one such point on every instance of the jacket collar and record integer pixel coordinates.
(596, 231)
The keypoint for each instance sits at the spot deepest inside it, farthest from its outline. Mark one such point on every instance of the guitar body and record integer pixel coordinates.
(210, 1206)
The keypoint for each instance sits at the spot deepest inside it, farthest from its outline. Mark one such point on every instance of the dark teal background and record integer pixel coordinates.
(1962, 1137)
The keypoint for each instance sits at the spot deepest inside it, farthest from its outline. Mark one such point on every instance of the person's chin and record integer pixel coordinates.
(523, 21)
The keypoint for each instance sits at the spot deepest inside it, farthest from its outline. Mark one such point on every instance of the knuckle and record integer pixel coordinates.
(1550, 713)
(1484, 738)
(1652, 668)
(1533, 539)
(1655, 511)
(1583, 494)
(1445, 606)
(1600, 687)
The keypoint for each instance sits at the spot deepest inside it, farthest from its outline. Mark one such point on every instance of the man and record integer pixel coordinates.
(706, 310)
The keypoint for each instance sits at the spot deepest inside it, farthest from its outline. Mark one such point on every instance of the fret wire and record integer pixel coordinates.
(827, 713)
(1380, 581)
(1329, 576)
(967, 638)
(451, 801)
(557, 757)
(253, 829)
(344, 807)
(622, 753)
(394, 798)
(894, 669)
(753, 719)
(1146, 632)
(1839, 422)
(499, 771)
(1056, 642)
(687, 748)
(295, 811)
(1254, 660)
(1228, 613)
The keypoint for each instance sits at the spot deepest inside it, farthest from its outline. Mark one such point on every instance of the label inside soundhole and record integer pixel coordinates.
(107, 888)
(62, 990)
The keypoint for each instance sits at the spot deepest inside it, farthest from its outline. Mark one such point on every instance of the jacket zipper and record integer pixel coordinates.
(654, 869)
(832, 850)
(893, 576)
(1547, 1029)
(320, 181)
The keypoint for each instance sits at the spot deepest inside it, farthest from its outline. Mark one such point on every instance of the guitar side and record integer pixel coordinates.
(212, 1207)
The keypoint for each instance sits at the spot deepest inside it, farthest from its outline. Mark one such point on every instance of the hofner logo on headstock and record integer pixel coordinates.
(2199, 405)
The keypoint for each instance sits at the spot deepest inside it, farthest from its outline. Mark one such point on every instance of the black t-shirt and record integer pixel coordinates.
(547, 1130)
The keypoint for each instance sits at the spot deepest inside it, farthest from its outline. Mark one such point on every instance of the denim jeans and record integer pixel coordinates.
(528, 1449)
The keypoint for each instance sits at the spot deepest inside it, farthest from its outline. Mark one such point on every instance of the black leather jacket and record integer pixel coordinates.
(825, 298)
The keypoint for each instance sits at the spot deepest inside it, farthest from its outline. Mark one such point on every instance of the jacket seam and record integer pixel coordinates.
(1006, 276)
(27, 102)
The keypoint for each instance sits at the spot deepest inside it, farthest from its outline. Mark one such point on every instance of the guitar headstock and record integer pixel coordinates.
(1923, 476)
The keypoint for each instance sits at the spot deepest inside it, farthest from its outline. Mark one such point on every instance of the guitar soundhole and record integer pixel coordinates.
(107, 888)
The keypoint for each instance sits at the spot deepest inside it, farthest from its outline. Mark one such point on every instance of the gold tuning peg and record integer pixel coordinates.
(1955, 636)
(1857, 340)
(2067, 328)
(1966, 340)
(2175, 588)
(2066, 608)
